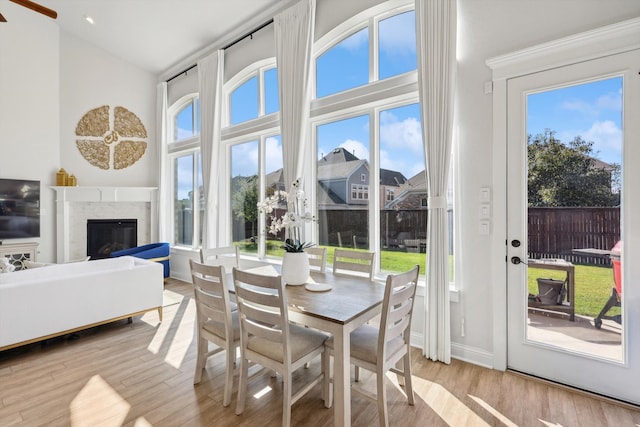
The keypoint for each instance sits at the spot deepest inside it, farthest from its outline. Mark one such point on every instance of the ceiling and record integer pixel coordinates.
(156, 35)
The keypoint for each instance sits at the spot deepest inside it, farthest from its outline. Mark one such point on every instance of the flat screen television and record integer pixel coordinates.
(19, 209)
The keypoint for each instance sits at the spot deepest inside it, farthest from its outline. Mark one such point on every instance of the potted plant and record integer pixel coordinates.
(295, 263)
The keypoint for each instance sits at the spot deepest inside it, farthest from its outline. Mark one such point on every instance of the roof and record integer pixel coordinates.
(339, 170)
(392, 178)
(338, 155)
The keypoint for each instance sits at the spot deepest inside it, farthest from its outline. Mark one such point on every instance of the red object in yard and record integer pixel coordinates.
(616, 291)
(616, 253)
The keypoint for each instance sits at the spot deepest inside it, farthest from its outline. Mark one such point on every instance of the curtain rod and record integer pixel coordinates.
(238, 40)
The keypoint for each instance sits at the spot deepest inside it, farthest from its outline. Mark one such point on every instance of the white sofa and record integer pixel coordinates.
(44, 302)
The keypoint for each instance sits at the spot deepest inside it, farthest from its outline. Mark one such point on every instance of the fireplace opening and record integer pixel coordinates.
(109, 235)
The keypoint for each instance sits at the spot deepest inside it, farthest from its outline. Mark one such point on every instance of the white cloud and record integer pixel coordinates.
(273, 154)
(244, 158)
(579, 106)
(400, 135)
(355, 41)
(356, 148)
(610, 101)
(398, 34)
(607, 140)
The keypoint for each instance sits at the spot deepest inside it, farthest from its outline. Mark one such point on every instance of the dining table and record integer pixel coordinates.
(348, 302)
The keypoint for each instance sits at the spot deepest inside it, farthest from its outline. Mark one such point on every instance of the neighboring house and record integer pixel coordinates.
(411, 195)
(390, 183)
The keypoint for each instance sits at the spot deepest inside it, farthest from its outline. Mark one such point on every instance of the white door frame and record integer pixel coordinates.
(604, 41)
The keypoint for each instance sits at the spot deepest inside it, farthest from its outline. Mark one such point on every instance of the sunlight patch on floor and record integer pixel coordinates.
(96, 403)
(549, 424)
(504, 420)
(262, 392)
(445, 404)
(142, 422)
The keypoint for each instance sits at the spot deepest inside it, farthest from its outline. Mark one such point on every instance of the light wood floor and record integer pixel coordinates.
(140, 374)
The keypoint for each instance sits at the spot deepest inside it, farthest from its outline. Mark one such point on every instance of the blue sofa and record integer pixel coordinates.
(158, 252)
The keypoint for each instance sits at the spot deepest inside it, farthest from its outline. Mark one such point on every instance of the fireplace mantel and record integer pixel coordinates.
(67, 197)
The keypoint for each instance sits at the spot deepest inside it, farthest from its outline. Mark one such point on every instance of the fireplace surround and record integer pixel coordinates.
(76, 205)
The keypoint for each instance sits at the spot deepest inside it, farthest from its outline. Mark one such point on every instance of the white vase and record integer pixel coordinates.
(295, 268)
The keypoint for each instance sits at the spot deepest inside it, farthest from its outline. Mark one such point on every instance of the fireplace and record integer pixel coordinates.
(109, 235)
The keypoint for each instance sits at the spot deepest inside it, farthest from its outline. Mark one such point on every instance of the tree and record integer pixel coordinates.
(244, 200)
(568, 174)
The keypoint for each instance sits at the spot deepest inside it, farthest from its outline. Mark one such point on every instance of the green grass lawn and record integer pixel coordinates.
(593, 284)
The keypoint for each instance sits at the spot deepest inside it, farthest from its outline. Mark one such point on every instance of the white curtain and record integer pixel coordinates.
(163, 178)
(210, 79)
(293, 38)
(436, 45)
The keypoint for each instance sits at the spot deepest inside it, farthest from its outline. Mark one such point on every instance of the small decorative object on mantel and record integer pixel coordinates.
(101, 130)
(61, 177)
(295, 262)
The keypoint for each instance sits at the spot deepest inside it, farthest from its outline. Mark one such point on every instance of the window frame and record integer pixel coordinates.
(176, 149)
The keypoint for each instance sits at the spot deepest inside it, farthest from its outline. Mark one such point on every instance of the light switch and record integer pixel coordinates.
(485, 194)
(485, 211)
(485, 228)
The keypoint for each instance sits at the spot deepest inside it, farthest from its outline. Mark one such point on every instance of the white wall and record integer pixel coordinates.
(90, 78)
(30, 109)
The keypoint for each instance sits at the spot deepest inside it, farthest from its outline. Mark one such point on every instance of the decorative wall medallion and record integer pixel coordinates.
(101, 129)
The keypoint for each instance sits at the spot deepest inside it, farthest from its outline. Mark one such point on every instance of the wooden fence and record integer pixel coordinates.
(557, 232)
(553, 232)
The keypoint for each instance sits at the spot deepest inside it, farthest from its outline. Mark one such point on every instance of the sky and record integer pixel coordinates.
(591, 110)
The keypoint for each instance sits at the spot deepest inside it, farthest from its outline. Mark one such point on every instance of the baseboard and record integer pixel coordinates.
(461, 352)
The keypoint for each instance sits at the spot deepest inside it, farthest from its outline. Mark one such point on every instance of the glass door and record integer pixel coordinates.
(570, 230)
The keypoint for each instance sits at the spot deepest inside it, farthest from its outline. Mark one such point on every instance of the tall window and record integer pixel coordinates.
(185, 167)
(341, 196)
(358, 206)
(255, 148)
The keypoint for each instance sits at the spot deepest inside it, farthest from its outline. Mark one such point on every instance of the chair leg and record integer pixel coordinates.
(286, 400)
(203, 347)
(242, 385)
(408, 385)
(383, 416)
(325, 360)
(228, 385)
(357, 373)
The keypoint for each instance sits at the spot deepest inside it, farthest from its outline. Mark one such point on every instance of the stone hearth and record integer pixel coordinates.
(76, 205)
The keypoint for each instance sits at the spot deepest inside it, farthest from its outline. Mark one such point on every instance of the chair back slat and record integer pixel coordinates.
(227, 256)
(211, 293)
(263, 308)
(397, 308)
(345, 261)
(317, 258)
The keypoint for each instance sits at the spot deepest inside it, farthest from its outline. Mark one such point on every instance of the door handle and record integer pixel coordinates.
(516, 260)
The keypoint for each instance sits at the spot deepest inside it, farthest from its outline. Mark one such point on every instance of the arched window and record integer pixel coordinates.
(255, 96)
(184, 164)
(346, 64)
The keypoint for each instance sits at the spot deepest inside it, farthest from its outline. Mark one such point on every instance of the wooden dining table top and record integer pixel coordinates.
(348, 298)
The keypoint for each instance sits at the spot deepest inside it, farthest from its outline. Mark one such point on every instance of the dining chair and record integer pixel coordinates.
(317, 258)
(227, 256)
(270, 340)
(353, 262)
(381, 349)
(217, 321)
